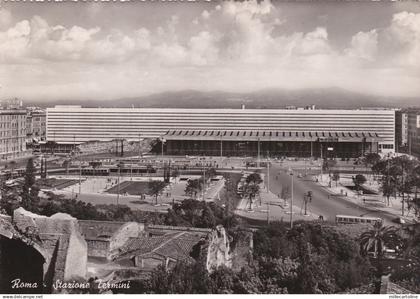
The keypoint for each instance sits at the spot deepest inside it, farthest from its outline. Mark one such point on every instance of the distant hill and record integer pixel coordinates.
(270, 98)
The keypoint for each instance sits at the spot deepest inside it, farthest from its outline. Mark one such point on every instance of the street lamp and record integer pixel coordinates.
(162, 141)
(291, 199)
(258, 153)
(268, 176)
(204, 181)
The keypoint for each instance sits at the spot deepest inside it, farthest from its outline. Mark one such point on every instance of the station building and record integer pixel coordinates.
(231, 132)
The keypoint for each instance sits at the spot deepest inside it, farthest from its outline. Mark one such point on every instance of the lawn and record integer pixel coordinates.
(132, 188)
(54, 183)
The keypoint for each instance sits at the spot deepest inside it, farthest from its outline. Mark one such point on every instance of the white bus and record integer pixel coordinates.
(346, 219)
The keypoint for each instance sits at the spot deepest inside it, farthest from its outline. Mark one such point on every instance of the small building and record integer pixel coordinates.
(127, 248)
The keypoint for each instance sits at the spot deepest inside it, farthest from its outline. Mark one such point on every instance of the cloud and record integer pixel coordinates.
(364, 45)
(402, 39)
(5, 18)
(203, 49)
(235, 45)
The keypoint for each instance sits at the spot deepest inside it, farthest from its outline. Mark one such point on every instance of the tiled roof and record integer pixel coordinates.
(92, 229)
(177, 245)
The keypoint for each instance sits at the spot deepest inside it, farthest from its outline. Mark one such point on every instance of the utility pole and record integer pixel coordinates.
(387, 178)
(258, 153)
(403, 182)
(139, 148)
(162, 142)
(322, 161)
(268, 176)
(221, 148)
(80, 176)
(204, 181)
(118, 184)
(409, 144)
(306, 198)
(291, 201)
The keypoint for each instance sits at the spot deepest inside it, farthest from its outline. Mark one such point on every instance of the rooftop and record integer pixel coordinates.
(238, 135)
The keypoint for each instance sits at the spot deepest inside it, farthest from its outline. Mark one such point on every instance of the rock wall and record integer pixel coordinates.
(76, 258)
(60, 237)
(218, 251)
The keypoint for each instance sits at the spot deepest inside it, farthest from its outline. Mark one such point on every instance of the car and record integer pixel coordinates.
(300, 175)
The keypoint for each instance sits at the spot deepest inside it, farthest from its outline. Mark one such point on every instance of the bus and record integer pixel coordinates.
(346, 219)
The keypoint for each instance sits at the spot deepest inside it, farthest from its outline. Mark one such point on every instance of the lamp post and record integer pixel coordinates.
(221, 148)
(80, 176)
(291, 199)
(268, 176)
(204, 181)
(162, 140)
(139, 148)
(322, 161)
(258, 153)
(120, 165)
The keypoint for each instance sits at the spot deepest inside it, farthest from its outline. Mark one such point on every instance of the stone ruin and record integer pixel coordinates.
(57, 239)
(63, 246)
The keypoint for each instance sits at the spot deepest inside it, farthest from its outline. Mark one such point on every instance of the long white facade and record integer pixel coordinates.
(67, 124)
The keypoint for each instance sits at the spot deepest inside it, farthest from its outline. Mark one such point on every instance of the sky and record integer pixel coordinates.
(109, 50)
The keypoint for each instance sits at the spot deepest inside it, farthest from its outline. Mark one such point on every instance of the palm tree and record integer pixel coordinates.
(251, 190)
(156, 189)
(378, 239)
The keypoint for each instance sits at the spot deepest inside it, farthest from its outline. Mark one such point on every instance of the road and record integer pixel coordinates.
(321, 203)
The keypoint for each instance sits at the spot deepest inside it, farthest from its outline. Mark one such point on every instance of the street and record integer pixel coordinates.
(321, 204)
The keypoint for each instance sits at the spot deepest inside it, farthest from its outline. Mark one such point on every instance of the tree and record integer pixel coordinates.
(211, 173)
(378, 239)
(285, 192)
(208, 219)
(30, 173)
(380, 167)
(412, 242)
(371, 159)
(52, 146)
(30, 192)
(416, 182)
(388, 187)
(359, 180)
(184, 278)
(398, 175)
(156, 188)
(254, 178)
(193, 187)
(252, 187)
(251, 190)
(336, 177)
(402, 169)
